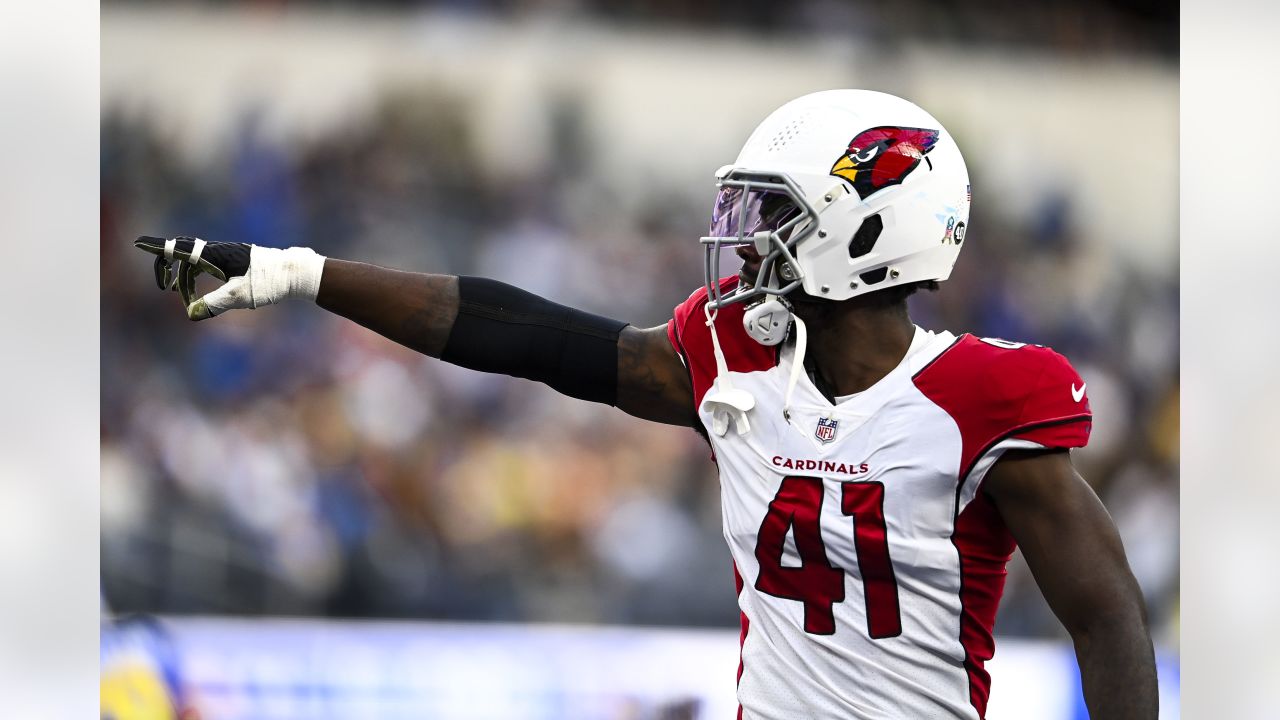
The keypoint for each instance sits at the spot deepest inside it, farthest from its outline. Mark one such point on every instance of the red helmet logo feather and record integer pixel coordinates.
(883, 156)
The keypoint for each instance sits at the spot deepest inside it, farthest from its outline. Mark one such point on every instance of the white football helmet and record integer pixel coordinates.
(842, 193)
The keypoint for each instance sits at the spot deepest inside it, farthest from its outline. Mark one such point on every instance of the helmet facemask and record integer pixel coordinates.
(767, 211)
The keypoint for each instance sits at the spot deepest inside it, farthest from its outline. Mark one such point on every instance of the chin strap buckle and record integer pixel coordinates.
(767, 322)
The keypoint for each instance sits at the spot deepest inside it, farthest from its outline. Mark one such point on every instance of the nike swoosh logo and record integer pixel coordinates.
(1078, 395)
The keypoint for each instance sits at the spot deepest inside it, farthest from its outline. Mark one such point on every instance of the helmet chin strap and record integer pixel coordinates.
(767, 323)
(797, 365)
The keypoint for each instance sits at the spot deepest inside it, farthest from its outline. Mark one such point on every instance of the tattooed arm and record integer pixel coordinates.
(652, 381)
(418, 311)
(414, 309)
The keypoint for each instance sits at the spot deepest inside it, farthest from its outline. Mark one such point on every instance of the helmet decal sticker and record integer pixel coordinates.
(883, 156)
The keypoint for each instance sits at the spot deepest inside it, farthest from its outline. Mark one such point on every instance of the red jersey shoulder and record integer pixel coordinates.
(995, 389)
(691, 337)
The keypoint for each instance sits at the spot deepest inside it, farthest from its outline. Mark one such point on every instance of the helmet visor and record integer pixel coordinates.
(741, 213)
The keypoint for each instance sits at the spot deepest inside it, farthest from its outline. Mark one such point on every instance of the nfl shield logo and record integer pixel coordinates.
(826, 431)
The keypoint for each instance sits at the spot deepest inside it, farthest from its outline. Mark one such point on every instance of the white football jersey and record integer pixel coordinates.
(869, 566)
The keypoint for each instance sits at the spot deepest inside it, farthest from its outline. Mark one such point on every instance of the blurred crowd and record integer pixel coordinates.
(288, 462)
(1085, 27)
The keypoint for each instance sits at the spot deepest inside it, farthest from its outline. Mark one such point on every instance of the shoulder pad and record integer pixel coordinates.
(995, 389)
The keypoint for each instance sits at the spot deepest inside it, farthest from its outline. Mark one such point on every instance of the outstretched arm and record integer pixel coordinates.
(652, 381)
(418, 311)
(1074, 551)
(475, 323)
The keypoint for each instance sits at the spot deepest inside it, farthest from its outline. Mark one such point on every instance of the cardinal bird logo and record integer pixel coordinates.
(882, 156)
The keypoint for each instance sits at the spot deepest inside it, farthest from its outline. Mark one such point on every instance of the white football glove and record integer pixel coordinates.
(254, 276)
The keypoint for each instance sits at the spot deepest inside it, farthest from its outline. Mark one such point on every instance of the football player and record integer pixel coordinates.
(875, 476)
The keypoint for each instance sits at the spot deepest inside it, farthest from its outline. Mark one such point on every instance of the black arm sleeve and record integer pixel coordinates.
(503, 329)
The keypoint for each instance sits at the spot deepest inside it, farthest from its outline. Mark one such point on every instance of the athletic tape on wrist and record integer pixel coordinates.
(305, 269)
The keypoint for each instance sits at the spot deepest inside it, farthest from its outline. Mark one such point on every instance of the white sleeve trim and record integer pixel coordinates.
(969, 489)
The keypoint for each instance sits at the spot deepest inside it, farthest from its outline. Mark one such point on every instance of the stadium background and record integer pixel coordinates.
(283, 463)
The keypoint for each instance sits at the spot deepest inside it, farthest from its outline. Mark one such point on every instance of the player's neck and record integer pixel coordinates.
(852, 347)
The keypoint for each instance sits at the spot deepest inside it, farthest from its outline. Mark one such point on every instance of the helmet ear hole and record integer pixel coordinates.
(865, 239)
(874, 276)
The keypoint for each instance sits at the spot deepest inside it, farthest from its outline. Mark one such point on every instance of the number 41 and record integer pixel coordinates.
(817, 583)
